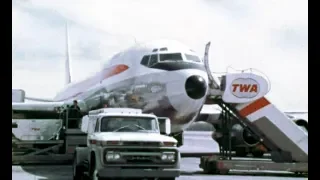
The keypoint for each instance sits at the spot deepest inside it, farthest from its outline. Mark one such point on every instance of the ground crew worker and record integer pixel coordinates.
(74, 113)
(75, 106)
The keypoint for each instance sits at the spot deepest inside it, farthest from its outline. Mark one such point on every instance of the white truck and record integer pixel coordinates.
(125, 143)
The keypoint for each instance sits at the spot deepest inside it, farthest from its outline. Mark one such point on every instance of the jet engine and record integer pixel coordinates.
(243, 135)
(243, 141)
(302, 123)
(300, 118)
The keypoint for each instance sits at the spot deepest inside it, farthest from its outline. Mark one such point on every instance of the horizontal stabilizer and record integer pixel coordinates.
(18, 95)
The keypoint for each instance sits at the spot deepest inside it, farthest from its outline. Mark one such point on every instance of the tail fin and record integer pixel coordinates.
(67, 62)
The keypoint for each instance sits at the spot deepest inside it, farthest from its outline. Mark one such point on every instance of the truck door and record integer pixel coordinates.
(93, 125)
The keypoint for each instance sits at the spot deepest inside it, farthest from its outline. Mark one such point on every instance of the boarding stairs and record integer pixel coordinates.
(242, 95)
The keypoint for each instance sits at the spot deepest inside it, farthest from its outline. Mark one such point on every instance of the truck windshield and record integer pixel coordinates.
(129, 124)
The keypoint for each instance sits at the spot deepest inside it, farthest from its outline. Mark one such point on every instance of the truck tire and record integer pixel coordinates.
(77, 169)
(94, 175)
(93, 172)
(167, 178)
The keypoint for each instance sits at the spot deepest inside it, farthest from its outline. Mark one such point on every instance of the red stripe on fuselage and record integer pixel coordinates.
(108, 72)
(99, 77)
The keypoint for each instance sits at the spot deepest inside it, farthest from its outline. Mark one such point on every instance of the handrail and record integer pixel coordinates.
(65, 112)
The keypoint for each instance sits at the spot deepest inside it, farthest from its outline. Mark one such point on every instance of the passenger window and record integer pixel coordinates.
(153, 60)
(97, 126)
(145, 60)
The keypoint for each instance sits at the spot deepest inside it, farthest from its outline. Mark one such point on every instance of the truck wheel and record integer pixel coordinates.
(167, 178)
(93, 170)
(77, 170)
(94, 175)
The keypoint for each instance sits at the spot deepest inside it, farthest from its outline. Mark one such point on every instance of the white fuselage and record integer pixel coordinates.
(158, 86)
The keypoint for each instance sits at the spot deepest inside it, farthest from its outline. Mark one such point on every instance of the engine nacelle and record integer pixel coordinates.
(243, 135)
(239, 136)
(302, 123)
(299, 117)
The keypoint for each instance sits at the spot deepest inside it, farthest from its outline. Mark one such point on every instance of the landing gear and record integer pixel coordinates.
(179, 137)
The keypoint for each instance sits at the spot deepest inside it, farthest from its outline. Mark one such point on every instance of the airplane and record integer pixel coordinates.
(164, 77)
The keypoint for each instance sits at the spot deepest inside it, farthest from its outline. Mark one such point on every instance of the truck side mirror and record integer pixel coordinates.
(14, 125)
(164, 125)
(85, 126)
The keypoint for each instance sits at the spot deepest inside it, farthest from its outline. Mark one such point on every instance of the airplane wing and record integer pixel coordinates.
(38, 99)
(298, 115)
(36, 110)
(32, 106)
(19, 95)
(209, 113)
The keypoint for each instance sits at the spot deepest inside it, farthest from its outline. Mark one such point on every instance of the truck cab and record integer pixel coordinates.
(122, 141)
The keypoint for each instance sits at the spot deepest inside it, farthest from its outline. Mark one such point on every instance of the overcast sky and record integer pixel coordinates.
(269, 35)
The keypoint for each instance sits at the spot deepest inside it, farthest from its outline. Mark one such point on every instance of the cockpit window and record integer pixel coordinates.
(145, 60)
(171, 57)
(153, 60)
(192, 58)
(164, 49)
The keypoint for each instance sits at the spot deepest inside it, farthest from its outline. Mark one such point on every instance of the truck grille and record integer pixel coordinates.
(136, 143)
(140, 159)
(140, 156)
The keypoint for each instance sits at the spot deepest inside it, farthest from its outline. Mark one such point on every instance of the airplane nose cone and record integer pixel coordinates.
(196, 87)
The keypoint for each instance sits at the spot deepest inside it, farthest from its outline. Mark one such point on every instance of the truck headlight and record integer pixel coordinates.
(164, 157)
(111, 156)
(168, 156)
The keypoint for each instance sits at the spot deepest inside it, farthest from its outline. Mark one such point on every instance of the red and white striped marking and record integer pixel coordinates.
(253, 110)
